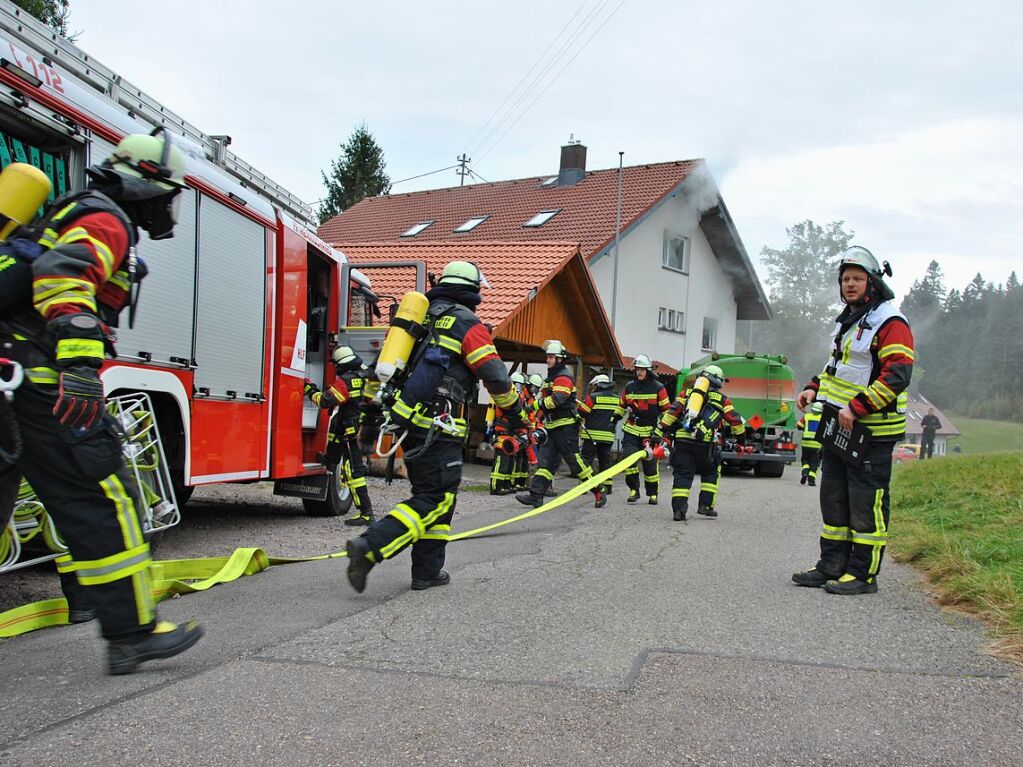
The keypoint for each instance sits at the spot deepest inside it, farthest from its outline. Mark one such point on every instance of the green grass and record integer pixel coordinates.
(983, 436)
(960, 521)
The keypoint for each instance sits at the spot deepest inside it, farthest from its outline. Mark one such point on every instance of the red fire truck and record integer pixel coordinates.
(238, 308)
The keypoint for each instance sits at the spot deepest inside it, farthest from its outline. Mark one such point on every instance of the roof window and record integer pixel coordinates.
(552, 181)
(471, 224)
(542, 218)
(417, 228)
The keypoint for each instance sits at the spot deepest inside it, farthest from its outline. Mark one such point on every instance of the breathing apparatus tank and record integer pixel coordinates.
(694, 404)
(402, 336)
(23, 190)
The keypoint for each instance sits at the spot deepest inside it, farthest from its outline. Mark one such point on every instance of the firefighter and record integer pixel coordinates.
(499, 433)
(865, 380)
(432, 404)
(643, 400)
(810, 450)
(598, 412)
(695, 449)
(557, 401)
(343, 451)
(520, 466)
(66, 443)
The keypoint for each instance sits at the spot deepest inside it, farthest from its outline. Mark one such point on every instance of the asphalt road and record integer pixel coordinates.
(584, 637)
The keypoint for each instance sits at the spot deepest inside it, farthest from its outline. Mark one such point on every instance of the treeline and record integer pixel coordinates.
(969, 344)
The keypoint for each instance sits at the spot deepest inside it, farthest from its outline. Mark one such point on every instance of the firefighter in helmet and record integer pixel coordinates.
(643, 400)
(695, 441)
(557, 401)
(520, 466)
(810, 448)
(438, 391)
(65, 443)
(865, 381)
(343, 451)
(598, 413)
(504, 441)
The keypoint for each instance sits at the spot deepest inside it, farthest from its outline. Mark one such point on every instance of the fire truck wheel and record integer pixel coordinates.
(339, 499)
(770, 469)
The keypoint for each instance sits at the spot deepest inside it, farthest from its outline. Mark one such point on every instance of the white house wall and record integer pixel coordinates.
(645, 285)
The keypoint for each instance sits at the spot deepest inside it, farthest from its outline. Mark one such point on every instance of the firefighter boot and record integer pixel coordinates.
(166, 640)
(440, 579)
(652, 500)
(850, 584)
(364, 510)
(707, 511)
(681, 506)
(359, 563)
(599, 499)
(530, 499)
(804, 477)
(812, 578)
(811, 480)
(79, 608)
(633, 496)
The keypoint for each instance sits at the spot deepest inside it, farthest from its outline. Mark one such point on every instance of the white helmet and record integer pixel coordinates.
(343, 355)
(865, 260)
(555, 348)
(518, 378)
(536, 380)
(463, 273)
(642, 361)
(600, 381)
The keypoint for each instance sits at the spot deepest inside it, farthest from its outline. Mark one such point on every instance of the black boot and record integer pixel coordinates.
(358, 563)
(440, 579)
(165, 641)
(679, 514)
(848, 585)
(812, 578)
(363, 510)
(79, 608)
(804, 477)
(812, 481)
(599, 499)
(633, 496)
(707, 511)
(530, 499)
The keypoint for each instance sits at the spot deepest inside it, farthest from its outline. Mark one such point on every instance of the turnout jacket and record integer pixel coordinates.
(717, 412)
(869, 370)
(646, 400)
(557, 397)
(345, 393)
(599, 411)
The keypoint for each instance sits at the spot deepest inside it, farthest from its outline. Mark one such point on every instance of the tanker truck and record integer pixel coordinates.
(763, 389)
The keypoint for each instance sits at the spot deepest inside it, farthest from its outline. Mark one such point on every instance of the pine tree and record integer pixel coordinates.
(53, 13)
(356, 174)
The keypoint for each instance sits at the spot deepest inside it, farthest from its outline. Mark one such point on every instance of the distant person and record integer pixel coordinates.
(811, 447)
(930, 424)
(864, 380)
(957, 448)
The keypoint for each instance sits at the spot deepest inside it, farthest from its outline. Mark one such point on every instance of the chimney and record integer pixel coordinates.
(573, 163)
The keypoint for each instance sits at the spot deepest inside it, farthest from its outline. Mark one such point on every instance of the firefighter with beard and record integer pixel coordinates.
(343, 451)
(433, 405)
(643, 400)
(598, 411)
(85, 273)
(865, 380)
(557, 401)
(695, 449)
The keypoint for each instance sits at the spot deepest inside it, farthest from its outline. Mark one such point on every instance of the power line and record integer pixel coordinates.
(422, 175)
(570, 42)
(519, 83)
(550, 82)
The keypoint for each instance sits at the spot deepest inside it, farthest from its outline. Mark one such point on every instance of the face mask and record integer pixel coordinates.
(161, 214)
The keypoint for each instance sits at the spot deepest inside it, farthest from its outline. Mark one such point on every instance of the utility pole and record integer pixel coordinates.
(463, 167)
(618, 237)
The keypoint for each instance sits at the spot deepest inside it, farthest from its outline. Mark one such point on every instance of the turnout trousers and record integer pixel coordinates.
(651, 476)
(344, 453)
(504, 472)
(602, 452)
(689, 458)
(520, 471)
(562, 442)
(424, 520)
(81, 479)
(855, 512)
(811, 458)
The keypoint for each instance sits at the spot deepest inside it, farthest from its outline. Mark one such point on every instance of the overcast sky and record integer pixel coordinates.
(904, 119)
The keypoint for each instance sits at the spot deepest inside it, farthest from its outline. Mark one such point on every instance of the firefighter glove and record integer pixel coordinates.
(310, 389)
(79, 397)
(79, 340)
(517, 420)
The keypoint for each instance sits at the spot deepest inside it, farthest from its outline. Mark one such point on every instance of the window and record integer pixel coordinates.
(672, 320)
(417, 228)
(471, 224)
(710, 333)
(676, 253)
(542, 217)
(552, 181)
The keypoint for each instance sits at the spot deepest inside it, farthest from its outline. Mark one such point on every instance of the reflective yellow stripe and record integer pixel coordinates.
(890, 349)
(638, 431)
(42, 375)
(67, 348)
(475, 356)
(833, 533)
(562, 389)
(507, 399)
(108, 569)
(680, 492)
(558, 423)
(449, 343)
(79, 234)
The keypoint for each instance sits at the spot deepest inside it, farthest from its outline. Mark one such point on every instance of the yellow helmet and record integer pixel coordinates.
(153, 158)
(463, 273)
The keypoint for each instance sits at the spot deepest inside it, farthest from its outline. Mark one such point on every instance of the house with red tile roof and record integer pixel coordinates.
(674, 276)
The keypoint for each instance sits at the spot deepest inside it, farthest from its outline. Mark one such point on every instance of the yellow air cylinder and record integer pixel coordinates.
(697, 396)
(399, 342)
(23, 189)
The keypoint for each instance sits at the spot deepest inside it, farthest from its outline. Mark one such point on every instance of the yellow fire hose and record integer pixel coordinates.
(189, 576)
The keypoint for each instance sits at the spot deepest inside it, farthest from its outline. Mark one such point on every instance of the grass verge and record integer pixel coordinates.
(960, 521)
(983, 436)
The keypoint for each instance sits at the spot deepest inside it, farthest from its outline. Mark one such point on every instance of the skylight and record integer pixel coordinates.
(542, 217)
(417, 228)
(552, 181)
(471, 224)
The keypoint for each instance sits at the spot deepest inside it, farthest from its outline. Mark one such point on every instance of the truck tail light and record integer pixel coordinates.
(784, 445)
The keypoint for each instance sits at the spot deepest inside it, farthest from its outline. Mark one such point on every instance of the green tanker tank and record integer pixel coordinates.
(762, 388)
